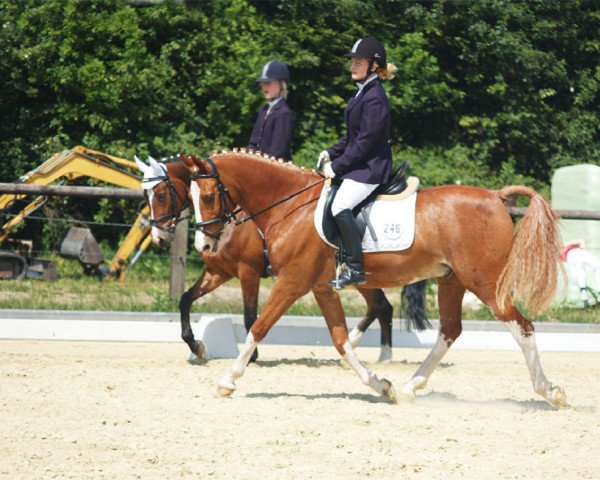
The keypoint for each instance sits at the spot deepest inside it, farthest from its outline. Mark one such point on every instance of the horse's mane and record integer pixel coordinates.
(262, 157)
(170, 159)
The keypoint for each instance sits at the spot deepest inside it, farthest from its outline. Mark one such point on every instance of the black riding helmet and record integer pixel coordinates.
(371, 48)
(274, 70)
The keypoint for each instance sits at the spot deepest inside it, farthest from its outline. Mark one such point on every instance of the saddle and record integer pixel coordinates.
(396, 185)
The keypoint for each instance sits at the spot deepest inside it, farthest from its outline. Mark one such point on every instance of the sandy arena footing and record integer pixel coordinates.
(99, 410)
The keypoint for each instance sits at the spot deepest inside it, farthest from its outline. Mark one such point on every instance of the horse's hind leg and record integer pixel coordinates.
(523, 332)
(205, 284)
(378, 307)
(450, 295)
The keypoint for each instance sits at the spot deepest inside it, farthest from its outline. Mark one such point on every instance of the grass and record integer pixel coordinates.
(146, 290)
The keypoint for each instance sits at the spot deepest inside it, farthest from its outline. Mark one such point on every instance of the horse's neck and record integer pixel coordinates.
(257, 184)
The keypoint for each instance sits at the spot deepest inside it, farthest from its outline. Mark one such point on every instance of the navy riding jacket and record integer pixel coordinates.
(272, 134)
(364, 154)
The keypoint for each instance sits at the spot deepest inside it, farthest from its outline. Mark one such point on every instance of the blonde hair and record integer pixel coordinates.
(387, 73)
(284, 89)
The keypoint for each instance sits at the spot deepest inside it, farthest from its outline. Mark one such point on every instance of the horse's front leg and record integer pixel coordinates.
(205, 284)
(285, 292)
(329, 302)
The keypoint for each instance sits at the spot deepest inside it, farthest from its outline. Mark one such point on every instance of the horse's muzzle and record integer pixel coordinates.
(160, 238)
(212, 245)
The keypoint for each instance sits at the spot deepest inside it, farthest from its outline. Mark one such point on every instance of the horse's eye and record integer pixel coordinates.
(162, 196)
(208, 198)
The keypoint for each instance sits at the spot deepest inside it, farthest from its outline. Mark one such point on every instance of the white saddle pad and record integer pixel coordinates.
(392, 218)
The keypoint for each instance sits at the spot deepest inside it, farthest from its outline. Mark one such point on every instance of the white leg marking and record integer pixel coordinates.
(385, 355)
(226, 385)
(419, 379)
(354, 337)
(541, 385)
(382, 387)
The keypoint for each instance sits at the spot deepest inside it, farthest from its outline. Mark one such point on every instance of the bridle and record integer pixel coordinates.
(226, 214)
(175, 215)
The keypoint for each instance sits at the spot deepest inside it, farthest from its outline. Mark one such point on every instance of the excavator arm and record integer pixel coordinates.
(83, 162)
(139, 234)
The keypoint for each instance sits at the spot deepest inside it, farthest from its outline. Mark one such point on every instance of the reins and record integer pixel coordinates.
(279, 202)
(226, 200)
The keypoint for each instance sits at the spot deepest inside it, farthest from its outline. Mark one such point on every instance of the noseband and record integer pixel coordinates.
(226, 213)
(175, 215)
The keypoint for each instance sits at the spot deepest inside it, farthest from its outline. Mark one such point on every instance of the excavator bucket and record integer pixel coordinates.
(70, 165)
(42, 269)
(80, 244)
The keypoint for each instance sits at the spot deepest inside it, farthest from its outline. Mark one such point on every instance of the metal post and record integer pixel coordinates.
(177, 261)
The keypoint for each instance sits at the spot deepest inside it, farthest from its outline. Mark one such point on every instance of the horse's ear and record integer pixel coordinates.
(158, 171)
(189, 162)
(141, 165)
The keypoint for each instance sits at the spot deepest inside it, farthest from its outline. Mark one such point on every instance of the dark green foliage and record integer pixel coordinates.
(486, 93)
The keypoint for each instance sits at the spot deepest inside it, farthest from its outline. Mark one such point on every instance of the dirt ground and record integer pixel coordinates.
(128, 410)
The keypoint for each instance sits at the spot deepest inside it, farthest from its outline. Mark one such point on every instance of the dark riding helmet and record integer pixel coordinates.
(369, 47)
(274, 70)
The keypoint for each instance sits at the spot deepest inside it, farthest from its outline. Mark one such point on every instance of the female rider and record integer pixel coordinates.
(362, 158)
(272, 132)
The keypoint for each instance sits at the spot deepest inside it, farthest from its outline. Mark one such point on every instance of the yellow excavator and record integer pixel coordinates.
(82, 162)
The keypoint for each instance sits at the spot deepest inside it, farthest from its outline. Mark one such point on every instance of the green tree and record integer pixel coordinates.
(486, 93)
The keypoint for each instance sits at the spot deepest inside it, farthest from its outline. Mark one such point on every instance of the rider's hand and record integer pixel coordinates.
(328, 170)
(323, 157)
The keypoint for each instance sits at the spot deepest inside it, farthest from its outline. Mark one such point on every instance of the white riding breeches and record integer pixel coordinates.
(350, 194)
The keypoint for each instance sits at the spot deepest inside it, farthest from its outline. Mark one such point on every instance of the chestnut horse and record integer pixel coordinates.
(241, 254)
(464, 237)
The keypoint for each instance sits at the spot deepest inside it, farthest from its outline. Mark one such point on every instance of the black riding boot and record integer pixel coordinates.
(354, 273)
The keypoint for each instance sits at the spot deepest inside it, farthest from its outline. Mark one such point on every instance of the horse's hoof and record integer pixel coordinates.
(194, 359)
(408, 395)
(226, 387)
(385, 356)
(344, 364)
(558, 398)
(388, 391)
(225, 391)
(201, 350)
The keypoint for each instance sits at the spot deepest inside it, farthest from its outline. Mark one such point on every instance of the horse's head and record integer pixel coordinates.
(165, 201)
(212, 203)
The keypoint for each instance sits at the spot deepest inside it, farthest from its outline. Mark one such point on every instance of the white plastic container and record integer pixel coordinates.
(577, 187)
